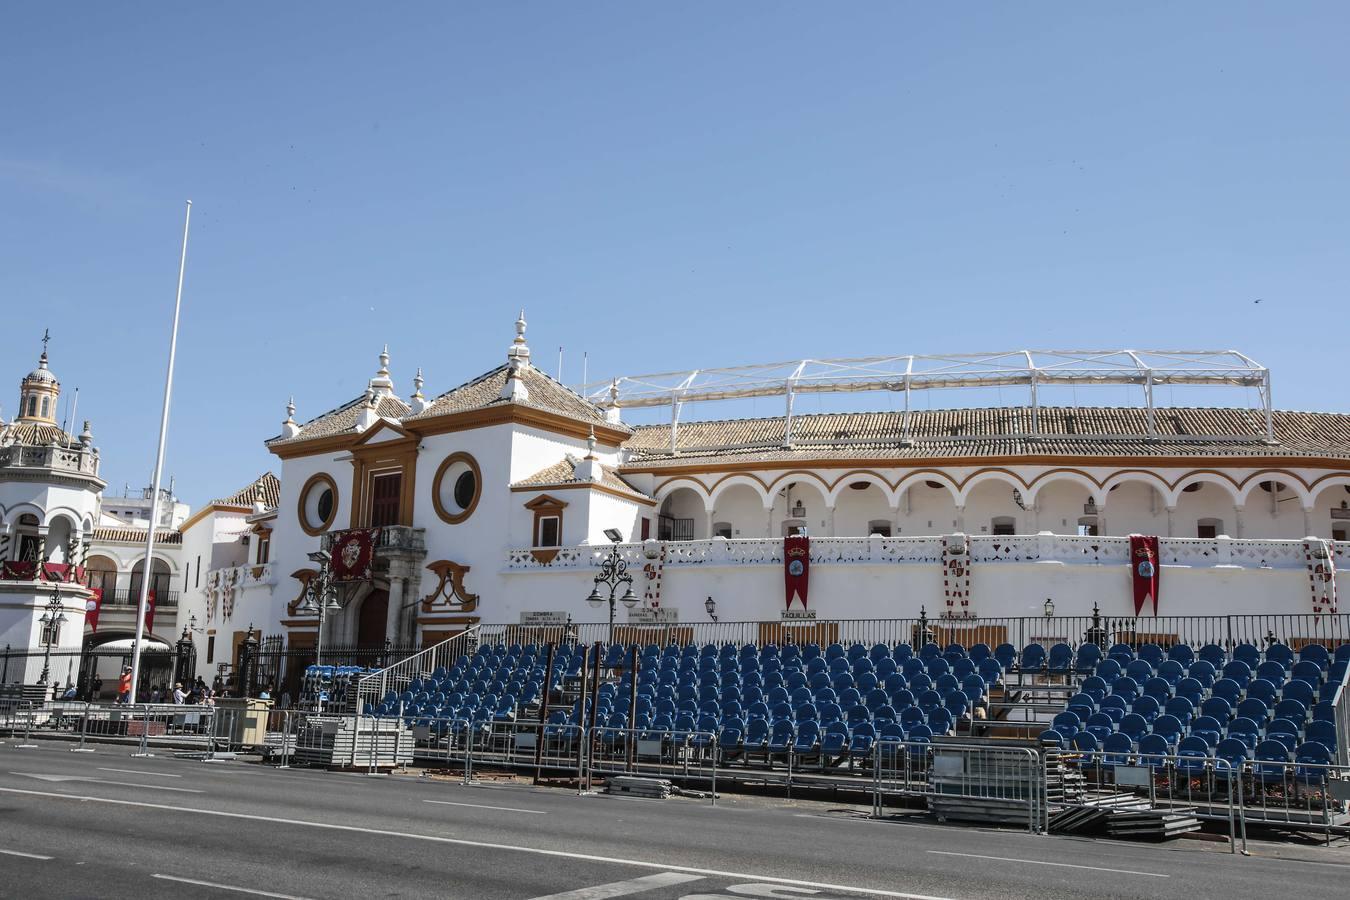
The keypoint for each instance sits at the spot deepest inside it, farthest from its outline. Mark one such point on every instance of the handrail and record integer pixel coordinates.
(401, 673)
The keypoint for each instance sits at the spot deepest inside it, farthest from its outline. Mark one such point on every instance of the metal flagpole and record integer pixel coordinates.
(147, 569)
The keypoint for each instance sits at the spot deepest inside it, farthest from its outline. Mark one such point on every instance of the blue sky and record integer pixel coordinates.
(659, 185)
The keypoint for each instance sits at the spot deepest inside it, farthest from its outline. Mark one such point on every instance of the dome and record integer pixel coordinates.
(41, 374)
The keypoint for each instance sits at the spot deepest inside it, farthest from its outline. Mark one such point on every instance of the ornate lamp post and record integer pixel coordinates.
(53, 617)
(320, 597)
(613, 572)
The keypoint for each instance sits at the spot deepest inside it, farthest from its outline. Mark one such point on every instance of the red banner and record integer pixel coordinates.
(353, 554)
(25, 570)
(150, 611)
(1145, 571)
(92, 607)
(796, 567)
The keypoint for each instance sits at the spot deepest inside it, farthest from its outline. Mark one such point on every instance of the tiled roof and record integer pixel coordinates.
(564, 473)
(544, 393)
(343, 419)
(38, 434)
(135, 536)
(956, 433)
(265, 489)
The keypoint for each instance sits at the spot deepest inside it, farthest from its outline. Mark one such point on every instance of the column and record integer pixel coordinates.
(1307, 522)
(1239, 528)
(1035, 518)
(961, 518)
(768, 524)
(895, 520)
(708, 526)
(830, 514)
(393, 625)
(1171, 521)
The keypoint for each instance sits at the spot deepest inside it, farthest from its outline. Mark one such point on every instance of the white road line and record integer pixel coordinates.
(1039, 862)
(139, 772)
(24, 855)
(91, 780)
(484, 845)
(624, 888)
(227, 887)
(533, 812)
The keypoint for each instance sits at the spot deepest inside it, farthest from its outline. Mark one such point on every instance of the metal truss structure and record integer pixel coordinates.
(905, 374)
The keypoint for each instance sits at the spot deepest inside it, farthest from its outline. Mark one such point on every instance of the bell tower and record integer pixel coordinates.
(39, 391)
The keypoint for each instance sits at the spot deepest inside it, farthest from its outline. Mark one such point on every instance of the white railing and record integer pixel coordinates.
(1069, 549)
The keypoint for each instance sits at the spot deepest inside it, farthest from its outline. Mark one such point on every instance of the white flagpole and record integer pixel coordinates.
(147, 568)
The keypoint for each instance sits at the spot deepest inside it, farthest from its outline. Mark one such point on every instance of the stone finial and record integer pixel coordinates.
(288, 428)
(87, 435)
(517, 360)
(368, 415)
(418, 401)
(381, 383)
(590, 444)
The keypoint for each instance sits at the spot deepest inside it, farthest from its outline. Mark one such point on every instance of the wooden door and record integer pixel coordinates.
(386, 489)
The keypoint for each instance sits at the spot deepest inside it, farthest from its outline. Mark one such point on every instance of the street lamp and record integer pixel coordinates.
(613, 572)
(52, 619)
(1049, 607)
(320, 597)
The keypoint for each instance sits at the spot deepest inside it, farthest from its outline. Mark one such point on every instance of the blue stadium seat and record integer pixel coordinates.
(1182, 653)
(1125, 686)
(1119, 749)
(1208, 729)
(1292, 710)
(1203, 671)
(1051, 738)
(1263, 690)
(1245, 730)
(1006, 654)
(1121, 653)
(1322, 732)
(1217, 708)
(1169, 728)
(835, 740)
(1233, 752)
(1140, 670)
(1254, 708)
(1318, 654)
(1213, 654)
(1133, 726)
(1171, 671)
(1152, 750)
(1311, 762)
(1085, 742)
(1180, 708)
(1148, 707)
(1228, 689)
(1101, 725)
(1300, 690)
(1033, 658)
(1109, 670)
(757, 734)
(1280, 654)
(861, 741)
(781, 736)
(1061, 658)
(1271, 762)
(808, 738)
(1192, 755)
(1066, 723)
(1115, 706)
(1284, 731)
(1191, 689)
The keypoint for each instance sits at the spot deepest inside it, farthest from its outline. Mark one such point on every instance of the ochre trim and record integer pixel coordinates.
(399, 455)
(327, 444)
(445, 514)
(586, 486)
(451, 573)
(314, 479)
(206, 511)
(303, 576)
(544, 557)
(514, 414)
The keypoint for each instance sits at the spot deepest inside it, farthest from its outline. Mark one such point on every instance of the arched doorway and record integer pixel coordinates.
(370, 621)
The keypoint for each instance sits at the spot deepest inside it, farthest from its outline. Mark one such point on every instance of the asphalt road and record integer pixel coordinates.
(107, 825)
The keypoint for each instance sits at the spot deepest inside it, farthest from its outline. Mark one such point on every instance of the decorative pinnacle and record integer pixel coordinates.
(590, 444)
(520, 327)
(418, 382)
(290, 409)
(384, 361)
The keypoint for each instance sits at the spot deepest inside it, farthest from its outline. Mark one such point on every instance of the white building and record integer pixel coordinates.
(49, 490)
(493, 500)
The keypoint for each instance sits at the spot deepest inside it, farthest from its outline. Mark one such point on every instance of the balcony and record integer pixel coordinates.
(984, 550)
(127, 598)
(76, 460)
(393, 539)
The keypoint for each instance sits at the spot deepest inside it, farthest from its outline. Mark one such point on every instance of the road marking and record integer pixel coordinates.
(227, 887)
(533, 812)
(1038, 862)
(624, 888)
(24, 855)
(139, 772)
(484, 845)
(92, 780)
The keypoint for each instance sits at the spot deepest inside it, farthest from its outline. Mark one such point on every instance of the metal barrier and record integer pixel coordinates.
(996, 784)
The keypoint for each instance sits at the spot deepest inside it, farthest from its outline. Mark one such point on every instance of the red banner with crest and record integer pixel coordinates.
(1145, 570)
(796, 567)
(149, 611)
(354, 554)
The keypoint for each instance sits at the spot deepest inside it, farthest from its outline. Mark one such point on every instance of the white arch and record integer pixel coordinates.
(1283, 478)
(25, 508)
(674, 485)
(1333, 481)
(941, 478)
(1097, 493)
(1174, 496)
(983, 478)
(722, 486)
(169, 561)
(1147, 478)
(892, 498)
(810, 478)
(63, 512)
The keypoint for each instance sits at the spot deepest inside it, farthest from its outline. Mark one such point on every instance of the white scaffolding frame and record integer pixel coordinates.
(905, 374)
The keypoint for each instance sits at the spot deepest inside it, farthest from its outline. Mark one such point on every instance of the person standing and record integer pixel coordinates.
(124, 685)
(98, 687)
(179, 698)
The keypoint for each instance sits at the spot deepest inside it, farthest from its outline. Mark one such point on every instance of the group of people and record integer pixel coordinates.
(193, 693)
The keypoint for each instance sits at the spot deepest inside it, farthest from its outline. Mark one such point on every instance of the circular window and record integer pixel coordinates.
(456, 488)
(318, 504)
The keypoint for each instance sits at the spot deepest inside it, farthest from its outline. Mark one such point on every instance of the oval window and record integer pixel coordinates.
(456, 488)
(318, 504)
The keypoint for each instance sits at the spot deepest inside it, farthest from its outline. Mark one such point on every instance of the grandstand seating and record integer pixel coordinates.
(1270, 708)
